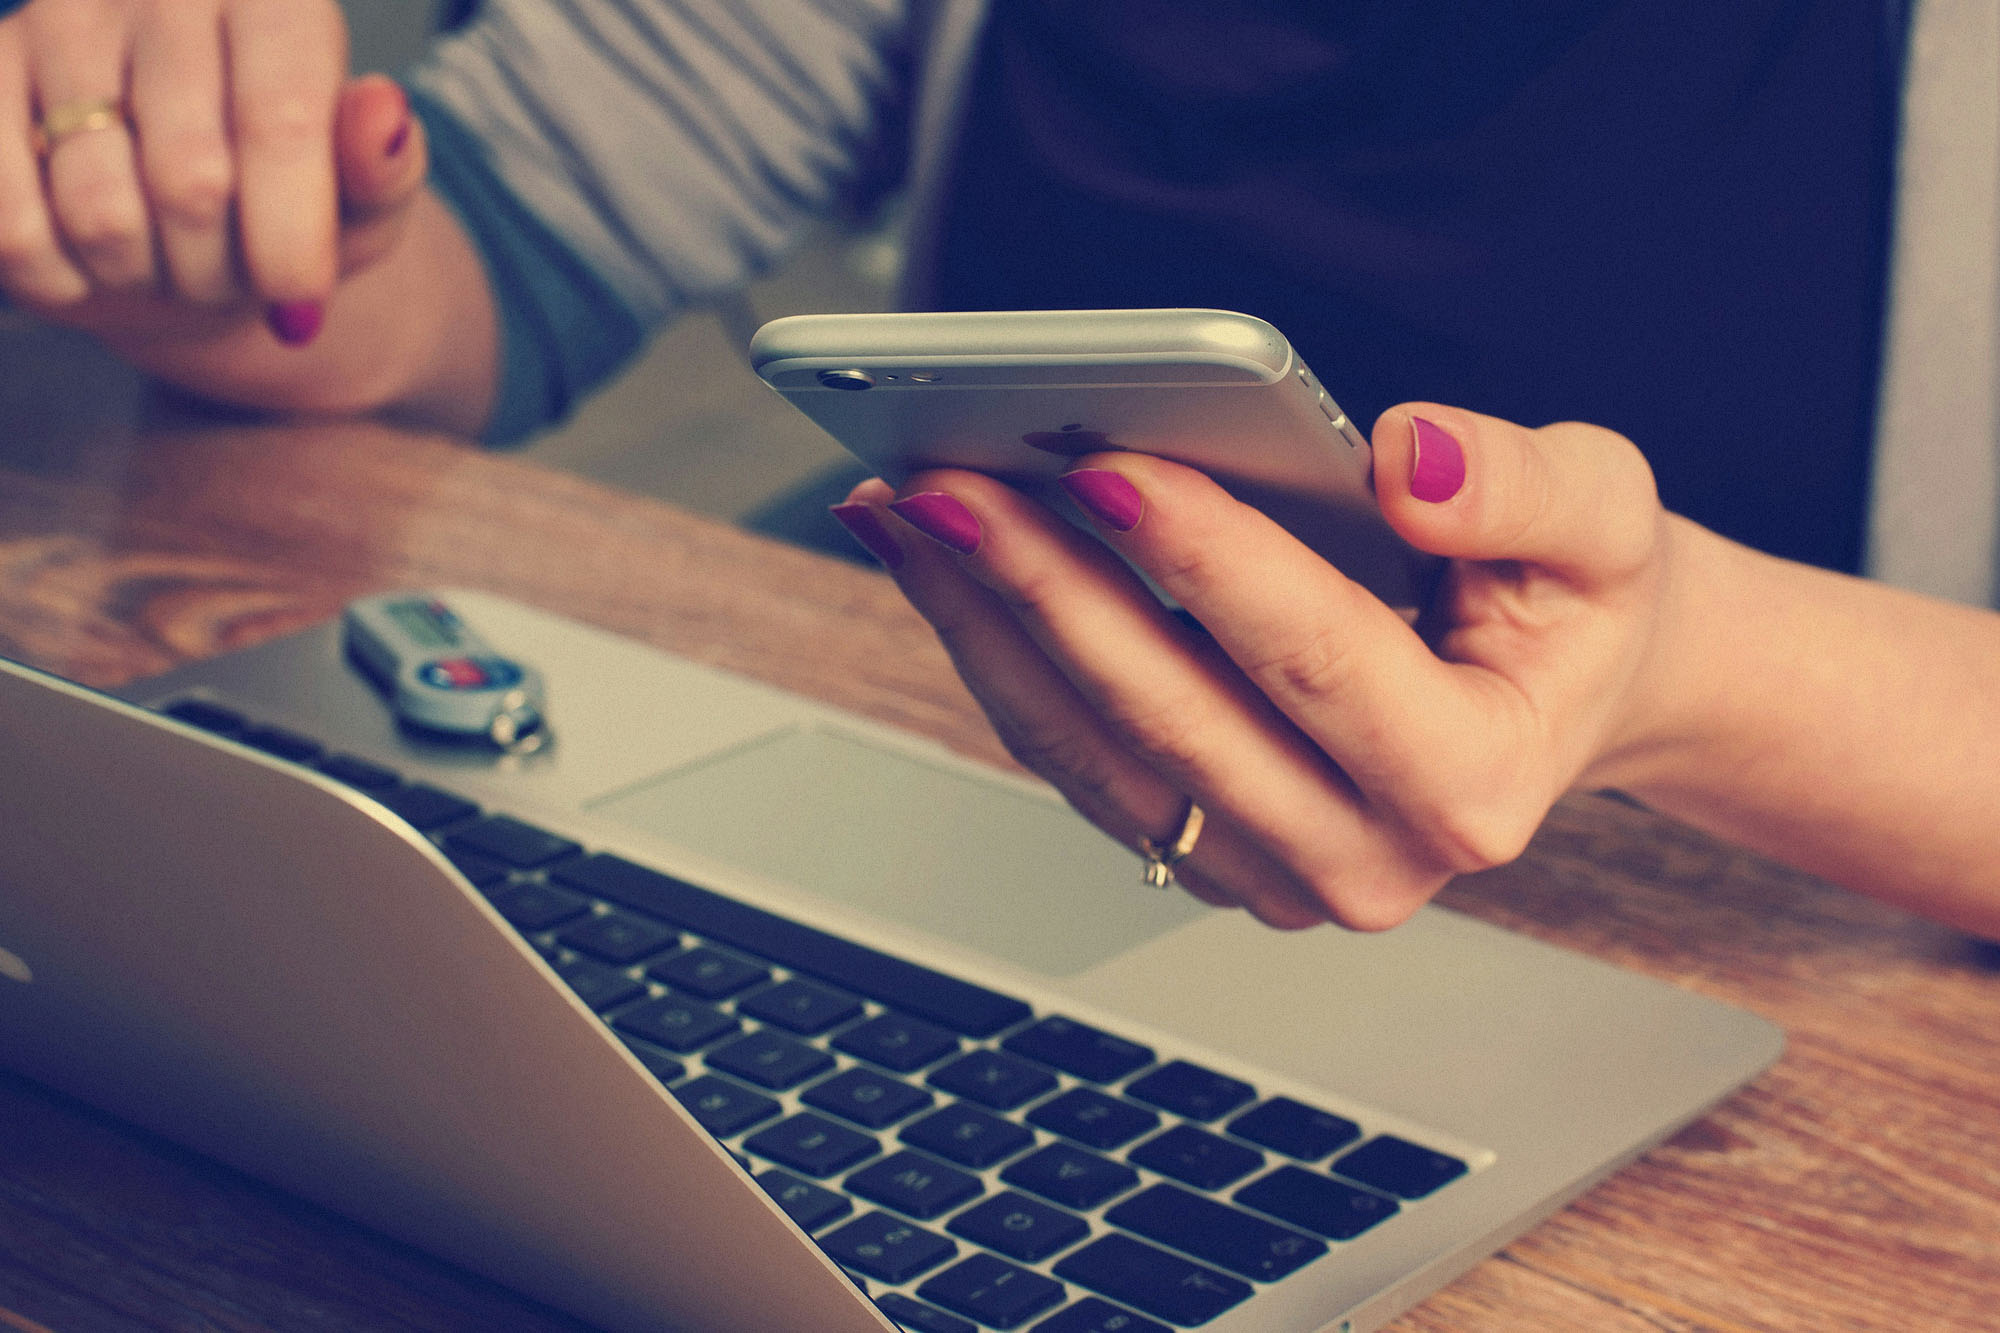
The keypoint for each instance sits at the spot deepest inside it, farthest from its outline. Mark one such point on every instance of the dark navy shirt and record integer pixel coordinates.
(1666, 219)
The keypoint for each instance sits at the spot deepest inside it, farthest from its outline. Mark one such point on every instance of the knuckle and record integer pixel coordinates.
(285, 122)
(1528, 506)
(204, 285)
(1185, 568)
(1609, 469)
(196, 191)
(1171, 730)
(1316, 665)
(1462, 840)
(99, 218)
(1387, 907)
(1068, 761)
(106, 239)
(1373, 902)
(1032, 591)
(1285, 914)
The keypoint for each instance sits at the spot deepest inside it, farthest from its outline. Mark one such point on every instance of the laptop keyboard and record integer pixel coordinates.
(974, 1164)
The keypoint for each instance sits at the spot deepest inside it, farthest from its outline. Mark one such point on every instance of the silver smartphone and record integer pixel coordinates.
(1019, 394)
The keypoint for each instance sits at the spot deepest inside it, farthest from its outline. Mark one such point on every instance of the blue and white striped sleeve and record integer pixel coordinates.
(619, 161)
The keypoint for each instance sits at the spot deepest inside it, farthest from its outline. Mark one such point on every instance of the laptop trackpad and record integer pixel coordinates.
(925, 845)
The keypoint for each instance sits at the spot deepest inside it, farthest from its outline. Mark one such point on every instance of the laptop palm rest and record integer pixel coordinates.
(880, 831)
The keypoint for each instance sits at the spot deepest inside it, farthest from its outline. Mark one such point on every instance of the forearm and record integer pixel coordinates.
(413, 336)
(1839, 725)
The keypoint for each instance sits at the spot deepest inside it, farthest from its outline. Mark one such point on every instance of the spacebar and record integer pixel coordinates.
(958, 1005)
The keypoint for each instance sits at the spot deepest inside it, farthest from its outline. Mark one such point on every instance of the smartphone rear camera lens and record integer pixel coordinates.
(847, 379)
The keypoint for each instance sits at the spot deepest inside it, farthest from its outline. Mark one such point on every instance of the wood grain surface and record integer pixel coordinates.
(1854, 1187)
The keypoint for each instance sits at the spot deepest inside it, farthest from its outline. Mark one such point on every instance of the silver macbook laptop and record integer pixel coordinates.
(730, 1011)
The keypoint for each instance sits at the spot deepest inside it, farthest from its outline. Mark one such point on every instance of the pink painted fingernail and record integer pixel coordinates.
(295, 323)
(1438, 471)
(941, 518)
(1107, 496)
(866, 527)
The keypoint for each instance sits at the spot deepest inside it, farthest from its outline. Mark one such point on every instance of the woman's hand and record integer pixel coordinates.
(1349, 764)
(181, 171)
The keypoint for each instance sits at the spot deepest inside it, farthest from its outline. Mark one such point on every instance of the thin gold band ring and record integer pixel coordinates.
(81, 115)
(1160, 861)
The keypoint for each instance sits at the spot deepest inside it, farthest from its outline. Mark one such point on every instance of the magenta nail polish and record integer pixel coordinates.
(1439, 468)
(1106, 496)
(866, 527)
(941, 518)
(295, 323)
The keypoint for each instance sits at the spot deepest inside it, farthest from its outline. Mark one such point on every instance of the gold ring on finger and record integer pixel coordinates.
(82, 115)
(1160, 861)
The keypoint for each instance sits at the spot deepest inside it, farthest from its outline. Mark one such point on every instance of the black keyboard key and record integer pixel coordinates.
(993, 1079)
(1071, 1176)
(1152, 1281)
(1093, 1119)
(598, 986)
(1019, 1227)
(426, 808)
(1078, 1049)
(1400, 1167)
(1191, 1091)
(869, 1099)
(801, 1006)
(530, 906)
(675, 1022)
(886, 1248)
(708, 973)
(992, 1291)
(959, 1005)
(1321, 1204)
(358, 773)
(916, 1317)
(914, 1184)
(1091, 1315)
(522, 846)
(282, 744)
(967, 1135)
(483, 872)
(1295, 1129)
(1196, 1157)
(658, 1063)
(619, 937)
(770, 1060)
(895, 1042)
(724, 1108)
(1227, 1237)
(209, 717)
(811, 1206)
(812, 1144)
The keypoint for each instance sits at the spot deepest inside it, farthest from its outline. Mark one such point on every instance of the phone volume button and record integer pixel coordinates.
(1334, 416)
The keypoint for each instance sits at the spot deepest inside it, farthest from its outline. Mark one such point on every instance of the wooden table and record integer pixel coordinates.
(1856, 1186)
